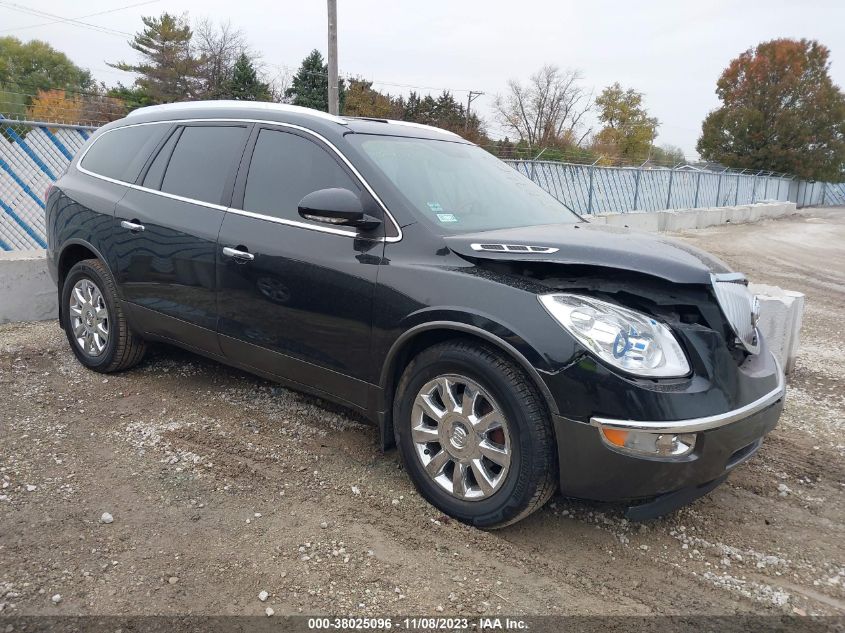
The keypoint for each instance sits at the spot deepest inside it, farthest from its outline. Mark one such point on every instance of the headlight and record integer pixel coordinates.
(632, 341)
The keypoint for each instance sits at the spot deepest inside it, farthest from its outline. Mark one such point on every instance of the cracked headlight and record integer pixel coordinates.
(631, 341)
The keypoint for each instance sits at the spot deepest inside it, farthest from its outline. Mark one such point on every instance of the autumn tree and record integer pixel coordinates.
(310, 86)
(363, 100)
(627, 131)
(548, 110)
(99, 108)
(56, 106)
(780, 111)
(169, 70)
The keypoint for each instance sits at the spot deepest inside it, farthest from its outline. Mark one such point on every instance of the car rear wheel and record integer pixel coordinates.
(94, 322)
(474, 434)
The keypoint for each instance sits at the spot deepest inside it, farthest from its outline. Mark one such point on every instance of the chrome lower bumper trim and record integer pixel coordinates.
(693, 425)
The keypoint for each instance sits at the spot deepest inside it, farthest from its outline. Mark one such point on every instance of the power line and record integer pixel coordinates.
(353, 76)
(58, 18)
(90, 15)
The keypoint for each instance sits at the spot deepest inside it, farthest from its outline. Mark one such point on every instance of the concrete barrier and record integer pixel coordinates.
(684, 219)
(781, 315)
(27, 292)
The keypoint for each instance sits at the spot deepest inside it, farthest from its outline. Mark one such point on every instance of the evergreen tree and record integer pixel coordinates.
(310, 85)
(168, 70)
(245, 84)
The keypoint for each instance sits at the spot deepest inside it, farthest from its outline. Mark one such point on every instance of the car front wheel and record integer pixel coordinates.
(474, 434)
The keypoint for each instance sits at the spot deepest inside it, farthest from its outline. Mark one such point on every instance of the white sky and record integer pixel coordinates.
(671, 51)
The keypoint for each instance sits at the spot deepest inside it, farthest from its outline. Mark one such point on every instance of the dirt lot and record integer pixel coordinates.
(222, 485)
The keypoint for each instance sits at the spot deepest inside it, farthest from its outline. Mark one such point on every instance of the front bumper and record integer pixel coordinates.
(590, 469)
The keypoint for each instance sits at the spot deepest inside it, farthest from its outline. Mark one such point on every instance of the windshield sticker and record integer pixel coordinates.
(434, 206)
(447, 217)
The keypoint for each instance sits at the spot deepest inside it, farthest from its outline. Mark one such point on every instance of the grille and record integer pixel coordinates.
(739, 307)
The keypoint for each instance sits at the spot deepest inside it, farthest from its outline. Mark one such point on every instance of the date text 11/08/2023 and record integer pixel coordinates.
(420, 624)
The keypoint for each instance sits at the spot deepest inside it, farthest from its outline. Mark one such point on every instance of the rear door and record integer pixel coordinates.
(300, 306)
(166, 231)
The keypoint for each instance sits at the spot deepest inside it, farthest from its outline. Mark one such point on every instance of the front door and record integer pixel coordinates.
(166, 233)
(295, 297)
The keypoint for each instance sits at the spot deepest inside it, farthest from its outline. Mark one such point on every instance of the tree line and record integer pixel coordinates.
(780, 110)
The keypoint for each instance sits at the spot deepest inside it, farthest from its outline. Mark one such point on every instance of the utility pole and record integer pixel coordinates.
(473, 95)
(334, 105)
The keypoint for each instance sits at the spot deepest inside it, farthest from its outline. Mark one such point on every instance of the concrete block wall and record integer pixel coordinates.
(27, 292)
(684, 219)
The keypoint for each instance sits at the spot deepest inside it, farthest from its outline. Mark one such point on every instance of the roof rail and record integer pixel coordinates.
(237, 105)
(422, 126)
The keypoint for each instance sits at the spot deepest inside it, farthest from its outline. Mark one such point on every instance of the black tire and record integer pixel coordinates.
(531, 478)
(123, 348)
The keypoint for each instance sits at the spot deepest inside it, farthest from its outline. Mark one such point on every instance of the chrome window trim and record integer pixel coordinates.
(693, 425)
(252, 214)
(303, 225)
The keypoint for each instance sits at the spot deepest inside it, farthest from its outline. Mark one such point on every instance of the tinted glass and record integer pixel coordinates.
(119, 154)
(284, 169)
(155, 173)
(202, 162)
(460, 188)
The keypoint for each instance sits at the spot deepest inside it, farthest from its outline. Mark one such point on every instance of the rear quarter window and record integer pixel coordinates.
(120, 153)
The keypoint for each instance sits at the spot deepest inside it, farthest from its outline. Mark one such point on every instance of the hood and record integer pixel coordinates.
(596, 245)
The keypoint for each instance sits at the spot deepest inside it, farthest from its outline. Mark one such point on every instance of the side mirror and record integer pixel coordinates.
(336, 206)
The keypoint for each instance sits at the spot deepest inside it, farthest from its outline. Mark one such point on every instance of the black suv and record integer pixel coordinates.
(508, 347)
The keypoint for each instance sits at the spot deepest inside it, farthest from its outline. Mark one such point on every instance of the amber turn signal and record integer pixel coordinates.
(615, 436)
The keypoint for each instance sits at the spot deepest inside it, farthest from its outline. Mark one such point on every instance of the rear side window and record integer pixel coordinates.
(284, 169)
(121, 153)
(155, 173)
(203, 161)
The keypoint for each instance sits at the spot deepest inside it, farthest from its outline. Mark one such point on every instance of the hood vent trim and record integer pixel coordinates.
(494, 247)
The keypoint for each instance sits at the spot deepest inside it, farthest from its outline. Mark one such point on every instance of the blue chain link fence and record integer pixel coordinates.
(34, 154)
(590, 189)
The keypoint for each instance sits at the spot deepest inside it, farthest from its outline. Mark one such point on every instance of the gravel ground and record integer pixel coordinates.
(184, 486)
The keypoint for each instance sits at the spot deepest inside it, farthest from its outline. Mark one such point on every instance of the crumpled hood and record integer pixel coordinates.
(597, 245)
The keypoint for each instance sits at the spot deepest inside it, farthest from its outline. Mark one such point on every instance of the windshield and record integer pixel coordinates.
(460, 188)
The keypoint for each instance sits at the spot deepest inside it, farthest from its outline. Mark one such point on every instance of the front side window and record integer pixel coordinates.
(121, 153)
(458, 187)
(202, 162)
(284, 169)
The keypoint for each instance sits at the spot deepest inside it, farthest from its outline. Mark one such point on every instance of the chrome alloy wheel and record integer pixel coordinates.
(461, 437)
(89, 317)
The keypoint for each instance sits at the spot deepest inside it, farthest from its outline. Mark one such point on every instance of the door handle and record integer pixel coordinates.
(132, 226)
(234, 253)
